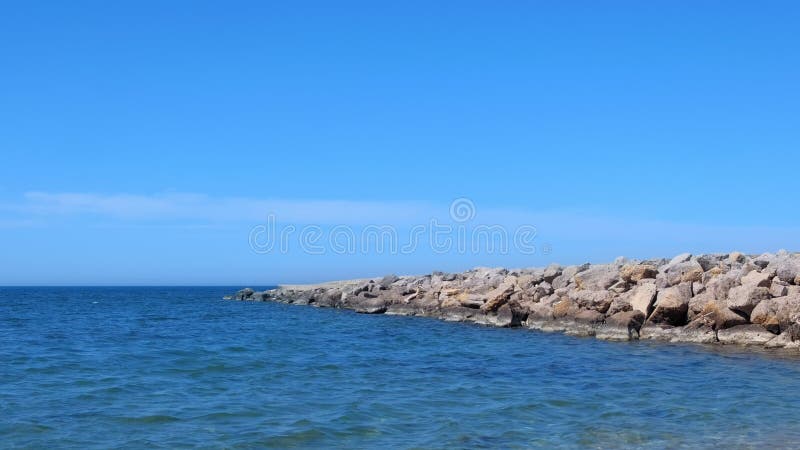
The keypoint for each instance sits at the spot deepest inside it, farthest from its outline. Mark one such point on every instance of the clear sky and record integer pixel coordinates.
(143, 141)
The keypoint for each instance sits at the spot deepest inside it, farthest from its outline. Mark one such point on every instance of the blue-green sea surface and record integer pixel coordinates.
(180, 367)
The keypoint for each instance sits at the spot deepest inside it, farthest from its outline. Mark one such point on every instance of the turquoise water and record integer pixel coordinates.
(179, 367)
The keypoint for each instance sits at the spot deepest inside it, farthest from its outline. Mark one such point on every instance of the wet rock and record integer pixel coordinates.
(745, 335)
(370, 306)
(244, 294)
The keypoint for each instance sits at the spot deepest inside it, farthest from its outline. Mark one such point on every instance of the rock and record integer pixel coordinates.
(540, 312)
(628, 319)
(672, 305)
(763, 260)
(720, 286)
(642, 297)
(783, 340)
(688, 271)
(745, 298)
(697, 304)
(449, 277)
(474, 301)
(683, 257)
(505, 318)
(736, 257)
(244, 294)
(717, 314)
(745, 335)
(551, 272)
(400, 310)
(369, 306)
(634, 273)
(564, 308)
(777, 313)
(707, 262)
(589, 316)
(457, 314)
(498, 297)
(597, 278)
(595, 300)
(756, 278)
(786, 269)
(388, 280)
(778, 288)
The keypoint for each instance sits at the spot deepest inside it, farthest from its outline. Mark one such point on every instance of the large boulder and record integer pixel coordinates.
(551, 272)
(717, 314)
(720, 285)
(688, 271)
(745, 298)
(594, 300)
(777, 313)
(597, 278)
(636, 272)
(672, 305)
(641, 298)
(498, 297)
(786, 269)
(756, 278)
(365, 305)
(622, 326)
(589, 316)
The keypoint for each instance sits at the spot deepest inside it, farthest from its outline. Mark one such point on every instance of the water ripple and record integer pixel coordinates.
(177, 367)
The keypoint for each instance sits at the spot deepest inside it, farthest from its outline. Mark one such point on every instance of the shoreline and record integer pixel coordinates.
(732, 298)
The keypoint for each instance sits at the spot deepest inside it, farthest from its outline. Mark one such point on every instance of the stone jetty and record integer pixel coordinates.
(714, 298)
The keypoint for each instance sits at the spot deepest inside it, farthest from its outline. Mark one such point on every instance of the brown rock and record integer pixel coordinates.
(498, 297)
(634, 273)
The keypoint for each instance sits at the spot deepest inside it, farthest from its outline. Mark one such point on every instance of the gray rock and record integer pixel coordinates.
(672, 305)
(244, 294)
(777, 313)
(745, 298)
(388, 280)
(551, 272)
(597, 278)
(786, 269)
(745, 335)
(642, 298)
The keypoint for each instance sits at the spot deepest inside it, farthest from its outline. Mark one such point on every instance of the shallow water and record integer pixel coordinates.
(179, 367)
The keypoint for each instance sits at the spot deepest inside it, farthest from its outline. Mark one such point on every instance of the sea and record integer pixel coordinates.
(179, 367)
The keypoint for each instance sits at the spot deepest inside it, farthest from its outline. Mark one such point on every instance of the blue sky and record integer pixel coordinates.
(142, 142)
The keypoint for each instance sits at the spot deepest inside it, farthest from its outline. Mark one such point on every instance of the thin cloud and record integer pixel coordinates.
(182, 206)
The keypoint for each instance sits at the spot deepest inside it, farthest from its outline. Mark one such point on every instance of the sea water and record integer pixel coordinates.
(179, 367)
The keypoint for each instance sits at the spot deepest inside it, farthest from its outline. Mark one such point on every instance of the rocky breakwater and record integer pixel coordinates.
(715, 298)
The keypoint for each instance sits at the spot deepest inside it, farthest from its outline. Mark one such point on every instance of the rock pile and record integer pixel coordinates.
(716, 298)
